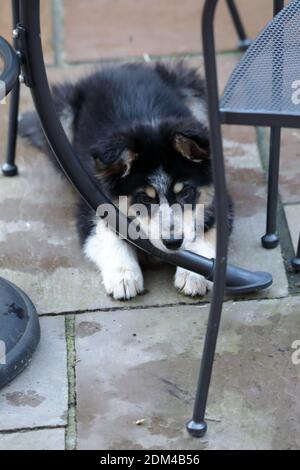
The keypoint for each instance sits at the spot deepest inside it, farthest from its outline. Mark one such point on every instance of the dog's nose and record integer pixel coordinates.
(173, 243)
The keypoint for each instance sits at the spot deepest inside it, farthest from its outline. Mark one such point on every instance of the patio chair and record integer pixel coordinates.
(259, 92)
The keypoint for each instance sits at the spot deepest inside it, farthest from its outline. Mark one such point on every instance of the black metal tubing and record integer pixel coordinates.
(89, 190)
(244, 42)
(278, 5)
(9, 168)
(197, 426)
(11, 70)
(296, 259)
(246, 118)
(236, 19)
(270, 239)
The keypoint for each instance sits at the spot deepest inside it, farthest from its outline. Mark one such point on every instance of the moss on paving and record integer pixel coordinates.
(71, 429)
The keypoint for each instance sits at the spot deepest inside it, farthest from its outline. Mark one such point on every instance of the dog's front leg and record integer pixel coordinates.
(117, 261)
(190, 283)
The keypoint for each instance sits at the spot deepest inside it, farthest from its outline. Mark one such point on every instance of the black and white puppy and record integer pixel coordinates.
(141, 131)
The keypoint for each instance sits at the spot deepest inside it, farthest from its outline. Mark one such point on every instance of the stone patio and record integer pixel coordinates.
(103, 365)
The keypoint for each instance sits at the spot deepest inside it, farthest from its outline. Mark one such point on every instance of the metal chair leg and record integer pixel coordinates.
(296, 260)
(270, 239)
(197, 426)
(244, 42)
(9, 168)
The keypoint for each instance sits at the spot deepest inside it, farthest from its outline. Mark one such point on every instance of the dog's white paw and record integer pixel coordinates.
(191, 284)
(123, 283)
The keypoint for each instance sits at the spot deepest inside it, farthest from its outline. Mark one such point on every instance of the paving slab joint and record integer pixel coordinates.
(71, 429)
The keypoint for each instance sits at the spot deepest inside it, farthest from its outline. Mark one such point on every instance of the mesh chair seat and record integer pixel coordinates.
(268, 76)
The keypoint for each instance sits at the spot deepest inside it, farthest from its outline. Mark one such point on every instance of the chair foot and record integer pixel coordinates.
(196, 429)
(9, 169)
(296, 264)
(243, 44)
(270, 241)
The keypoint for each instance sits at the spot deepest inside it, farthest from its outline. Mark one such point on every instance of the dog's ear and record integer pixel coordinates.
(113, 157)
(192, 142)
(191, 149)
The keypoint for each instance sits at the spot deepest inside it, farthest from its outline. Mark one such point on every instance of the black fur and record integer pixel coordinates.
(133, 108)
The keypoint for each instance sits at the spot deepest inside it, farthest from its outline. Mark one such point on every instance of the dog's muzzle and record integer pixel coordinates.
(173, 243)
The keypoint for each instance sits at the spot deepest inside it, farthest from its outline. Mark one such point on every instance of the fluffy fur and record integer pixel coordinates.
(141, 132)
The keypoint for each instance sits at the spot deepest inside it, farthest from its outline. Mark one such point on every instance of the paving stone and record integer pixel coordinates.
(293, 218)
(46, 26)
(143, 365)
(39, 396)
(289, 166)
(133, 27)
(45, 439)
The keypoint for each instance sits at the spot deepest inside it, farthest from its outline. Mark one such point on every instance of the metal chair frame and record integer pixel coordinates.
(271, 119)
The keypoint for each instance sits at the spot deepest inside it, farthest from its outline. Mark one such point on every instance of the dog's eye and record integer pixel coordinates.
(143, 198)
(188, 193)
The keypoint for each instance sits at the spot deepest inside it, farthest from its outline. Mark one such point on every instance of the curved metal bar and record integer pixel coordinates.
(197, 427)
(11, 70)
(88, 189)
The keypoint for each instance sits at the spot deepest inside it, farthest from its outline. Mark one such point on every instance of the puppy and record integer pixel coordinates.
(141, 132)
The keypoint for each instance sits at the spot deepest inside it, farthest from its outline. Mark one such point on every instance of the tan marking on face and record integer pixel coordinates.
(178, 188)
(128, 157)
(150, 191)
(108, 171)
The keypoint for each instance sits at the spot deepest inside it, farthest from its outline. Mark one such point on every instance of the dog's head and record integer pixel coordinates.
(164, 169)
